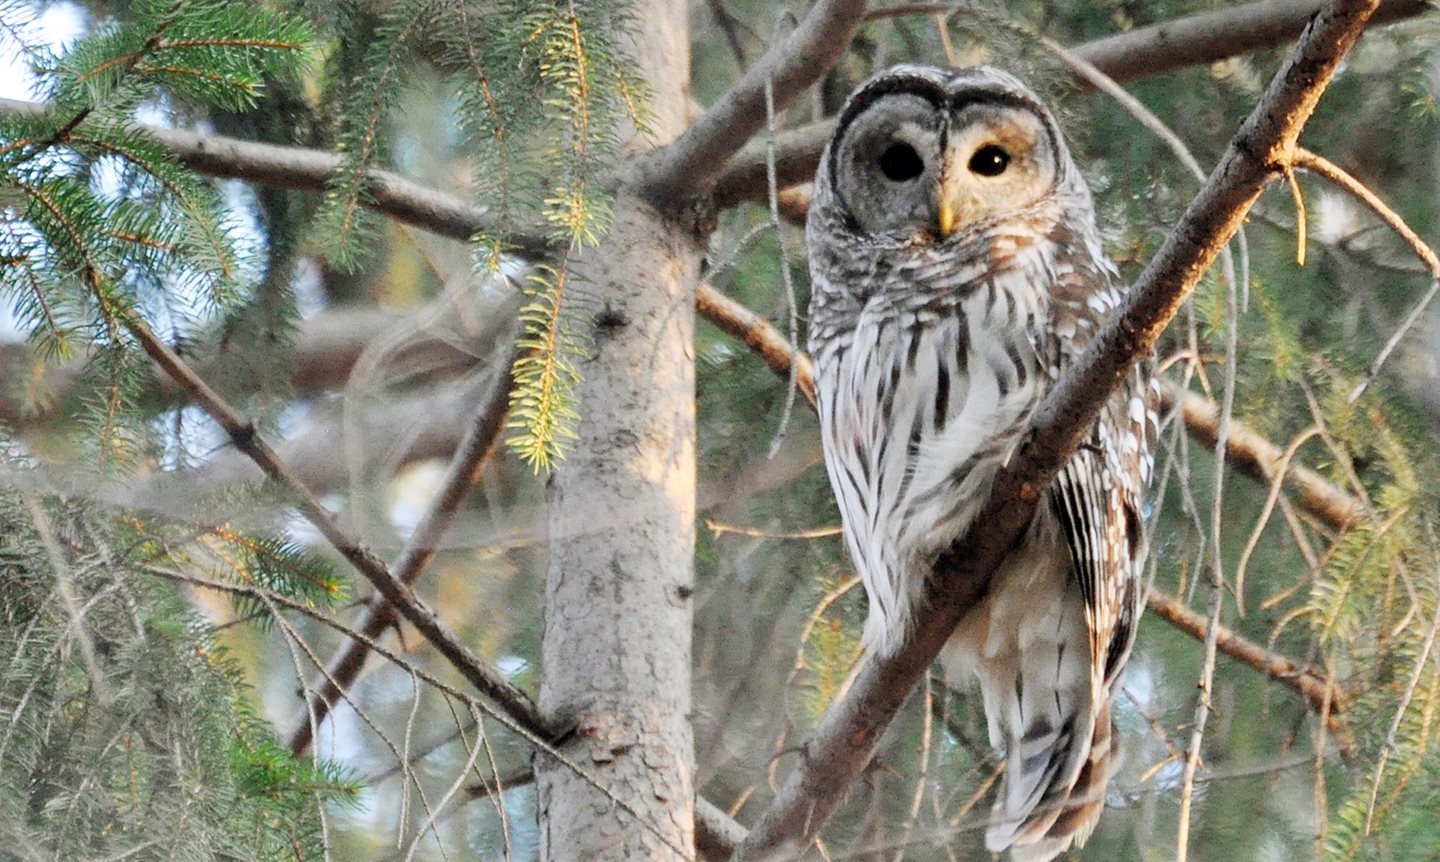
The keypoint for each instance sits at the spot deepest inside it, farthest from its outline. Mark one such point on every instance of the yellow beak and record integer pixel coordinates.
(946, 219)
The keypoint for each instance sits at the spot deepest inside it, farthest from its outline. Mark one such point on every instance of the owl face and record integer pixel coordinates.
(921, 155)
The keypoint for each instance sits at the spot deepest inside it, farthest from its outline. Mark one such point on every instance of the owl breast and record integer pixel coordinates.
(918, 423)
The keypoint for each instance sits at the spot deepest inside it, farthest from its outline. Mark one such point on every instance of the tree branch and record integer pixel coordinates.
(690, 163)
(1139, 53)
(463, 473)
(243, 434)
(1305, 681)
(300, 168)
(847, 735)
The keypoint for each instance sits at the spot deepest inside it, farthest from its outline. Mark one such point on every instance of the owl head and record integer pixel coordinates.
(928, 155)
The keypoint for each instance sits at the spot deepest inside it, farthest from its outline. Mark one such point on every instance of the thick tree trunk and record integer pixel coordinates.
(622, 509)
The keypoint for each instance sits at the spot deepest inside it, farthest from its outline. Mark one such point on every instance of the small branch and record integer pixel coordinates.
(847, 735)
(691, 163)
(380, 614)
(1307, 682)
(242, 433)
(1130, 56)
(1260, 459)
(300, 168)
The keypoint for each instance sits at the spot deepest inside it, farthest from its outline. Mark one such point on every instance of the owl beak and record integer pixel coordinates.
(945, 219)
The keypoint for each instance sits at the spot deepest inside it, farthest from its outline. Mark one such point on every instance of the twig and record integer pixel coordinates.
(1322, 166)
(720, 529)
(848, 733)
(464, 471)
(1216, 570)
(1271, 498)
(691, 163)
(791, 305)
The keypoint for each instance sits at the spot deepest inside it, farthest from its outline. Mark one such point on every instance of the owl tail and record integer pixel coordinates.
(1064, 802)
(1046, 710)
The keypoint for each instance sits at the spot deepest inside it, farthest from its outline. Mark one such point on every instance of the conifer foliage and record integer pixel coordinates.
(131, 724)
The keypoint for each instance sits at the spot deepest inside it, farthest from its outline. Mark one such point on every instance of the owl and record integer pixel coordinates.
(957, 272)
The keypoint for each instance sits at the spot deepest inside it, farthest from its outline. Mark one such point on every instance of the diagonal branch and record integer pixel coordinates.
(690, 164)
(247, 439)
(380, 614)
(847, 735)
(1139, 53)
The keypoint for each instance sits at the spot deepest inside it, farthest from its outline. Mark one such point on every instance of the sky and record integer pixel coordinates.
(56, 25)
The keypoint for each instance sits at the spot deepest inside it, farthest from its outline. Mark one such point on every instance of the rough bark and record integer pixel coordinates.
(618, 610)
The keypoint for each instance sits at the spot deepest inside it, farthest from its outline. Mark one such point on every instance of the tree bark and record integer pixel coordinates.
(618, 612)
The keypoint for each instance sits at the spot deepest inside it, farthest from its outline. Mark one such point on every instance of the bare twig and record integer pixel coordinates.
(846, 737)
(464, 471)
(1322, 166)
(691, 163)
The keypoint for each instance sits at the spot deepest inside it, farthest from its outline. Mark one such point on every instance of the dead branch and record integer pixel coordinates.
(847, 735)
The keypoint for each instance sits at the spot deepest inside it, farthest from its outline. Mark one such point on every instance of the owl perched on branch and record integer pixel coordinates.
(957, 273)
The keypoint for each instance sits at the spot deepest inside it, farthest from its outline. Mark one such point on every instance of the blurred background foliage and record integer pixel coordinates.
(361, 343)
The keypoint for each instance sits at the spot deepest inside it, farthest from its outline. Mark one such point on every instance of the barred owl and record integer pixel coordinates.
(957, 273)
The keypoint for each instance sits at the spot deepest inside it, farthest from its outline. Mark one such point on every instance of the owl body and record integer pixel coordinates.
(957, 273)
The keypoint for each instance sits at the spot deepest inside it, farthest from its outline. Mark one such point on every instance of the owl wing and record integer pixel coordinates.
(1095, 501)
(1097, 495)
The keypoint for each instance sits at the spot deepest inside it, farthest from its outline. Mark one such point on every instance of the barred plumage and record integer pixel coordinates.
(957, 273)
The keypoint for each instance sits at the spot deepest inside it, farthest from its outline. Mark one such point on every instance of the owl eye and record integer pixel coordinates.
(900, 162)
(989, 161)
